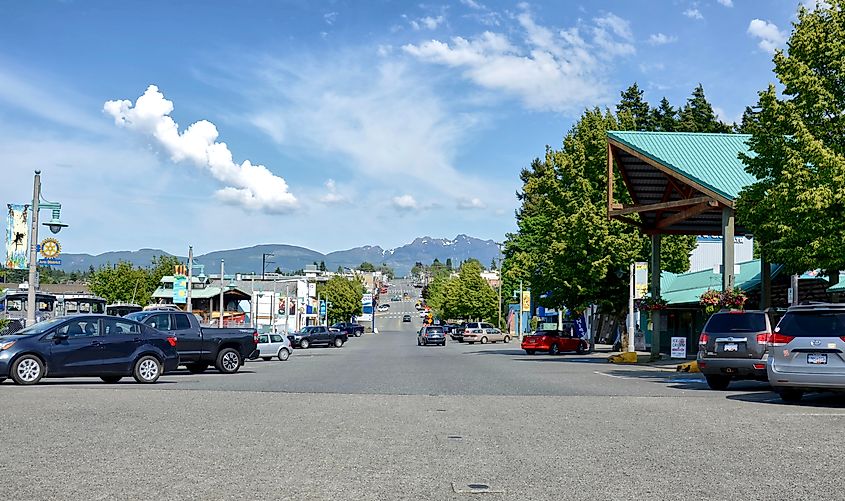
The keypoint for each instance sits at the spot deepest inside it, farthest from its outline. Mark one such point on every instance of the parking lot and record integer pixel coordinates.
(382, 418)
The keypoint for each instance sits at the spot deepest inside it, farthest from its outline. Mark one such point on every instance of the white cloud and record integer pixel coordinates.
(332, 196)
(253, 187)
(661, 39)
(330, 17)
(815, 4)
(427, 22)
(693, 13)
(726, 3)
(404, 203)
(552, 70)
(471, 203)
(472, 4)
(771, 38)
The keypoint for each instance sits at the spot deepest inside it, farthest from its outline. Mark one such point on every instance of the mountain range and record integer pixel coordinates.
(290, 257)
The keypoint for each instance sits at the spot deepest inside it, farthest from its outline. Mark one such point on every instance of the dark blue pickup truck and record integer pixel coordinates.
(199, 347)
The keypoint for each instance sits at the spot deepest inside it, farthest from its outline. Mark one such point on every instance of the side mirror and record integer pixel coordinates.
(60, 336)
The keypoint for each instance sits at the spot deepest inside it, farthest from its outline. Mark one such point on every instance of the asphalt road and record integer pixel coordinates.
(382, 418)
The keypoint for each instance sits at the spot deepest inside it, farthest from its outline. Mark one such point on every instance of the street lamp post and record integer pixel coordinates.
(222, 304)
(55, 226)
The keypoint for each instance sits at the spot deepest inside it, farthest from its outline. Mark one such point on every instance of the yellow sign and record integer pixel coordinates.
(526, 301)
(50, 248)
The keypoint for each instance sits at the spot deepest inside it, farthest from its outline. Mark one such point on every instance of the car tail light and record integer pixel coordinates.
(778, 339)
(703, 338)
(759, 366)
(172, 341)
(763, 337)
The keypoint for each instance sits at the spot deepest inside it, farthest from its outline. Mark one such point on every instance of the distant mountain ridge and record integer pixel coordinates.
(291, 257)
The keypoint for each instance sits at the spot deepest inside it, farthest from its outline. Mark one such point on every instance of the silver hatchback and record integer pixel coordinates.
(807, 351)
(274, 345)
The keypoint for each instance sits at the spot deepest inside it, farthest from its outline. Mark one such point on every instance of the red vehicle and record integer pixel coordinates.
(555, 342)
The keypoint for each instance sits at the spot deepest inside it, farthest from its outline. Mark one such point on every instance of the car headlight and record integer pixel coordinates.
(6, 346)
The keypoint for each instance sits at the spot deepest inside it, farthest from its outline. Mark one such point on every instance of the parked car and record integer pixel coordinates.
(350, 328)
(199, 347)
(555, 341)
(431, 334)
(733, 346)
(274, 345)
(316, 335)
(457, 333)
(484, 333)
(383, 307)
(406, 318)
(107, 347)
(806, 351)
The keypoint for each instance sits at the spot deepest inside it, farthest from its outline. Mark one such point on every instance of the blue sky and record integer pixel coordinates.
(334, 124)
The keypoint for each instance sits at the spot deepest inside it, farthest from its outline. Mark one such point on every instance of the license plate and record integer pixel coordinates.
(730, 347)
(817, 358)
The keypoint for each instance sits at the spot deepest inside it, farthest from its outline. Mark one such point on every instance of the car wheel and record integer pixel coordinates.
(147, 370)
(484, 340)
(196, 368)
(791, 396)
(28, 369)
(718, 382)
(554, 350)
(284, 354)
(338, 342)
(111, 379)
(266, 359)
(228, 361)
(507, 339)
(529, 352)
(581, 349)
(304, 344)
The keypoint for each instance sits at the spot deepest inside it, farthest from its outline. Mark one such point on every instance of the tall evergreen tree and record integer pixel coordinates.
(698, 115)
(633, 108)
(664, 118)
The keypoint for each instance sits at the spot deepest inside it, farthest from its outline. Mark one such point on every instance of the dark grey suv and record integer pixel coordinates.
(732, 346)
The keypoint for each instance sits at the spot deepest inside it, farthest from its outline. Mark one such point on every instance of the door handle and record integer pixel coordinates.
(96, 343)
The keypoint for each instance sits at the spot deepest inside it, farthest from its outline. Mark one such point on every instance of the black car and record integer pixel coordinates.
(350, 328)
(87, 345)
(315, 335)
(406, 318)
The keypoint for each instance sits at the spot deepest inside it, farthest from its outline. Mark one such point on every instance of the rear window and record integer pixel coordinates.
(813, 324)
(434, 329)
(736, 322)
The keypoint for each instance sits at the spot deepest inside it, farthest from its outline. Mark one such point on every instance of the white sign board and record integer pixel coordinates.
(679, 347)
(312, 290)
(367, 300)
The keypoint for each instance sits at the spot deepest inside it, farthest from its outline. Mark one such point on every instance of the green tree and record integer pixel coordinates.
(698, 115)
(322, 266)
(449, 262)
(664, 118)
(634, 108)
(121, 282)
(796, 208)
(366, 267)
(345, 296)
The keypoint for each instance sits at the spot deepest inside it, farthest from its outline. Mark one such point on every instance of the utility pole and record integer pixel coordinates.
(631, 292)
(222, 286)
(519, 324)
(189, 306)
(319, 317)
(274, 306)
(31, 304)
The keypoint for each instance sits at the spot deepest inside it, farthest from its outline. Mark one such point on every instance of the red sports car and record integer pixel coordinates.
(554, 342)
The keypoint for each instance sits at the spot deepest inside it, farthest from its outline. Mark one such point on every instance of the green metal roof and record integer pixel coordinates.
(840, 287)
(686, 288)
(710, 160)
(204, 293)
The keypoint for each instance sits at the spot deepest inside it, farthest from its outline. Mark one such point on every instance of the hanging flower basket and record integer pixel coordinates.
(714, 301)
(649, 303)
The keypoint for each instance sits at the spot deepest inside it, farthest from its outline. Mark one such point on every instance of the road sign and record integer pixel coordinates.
(322, 307)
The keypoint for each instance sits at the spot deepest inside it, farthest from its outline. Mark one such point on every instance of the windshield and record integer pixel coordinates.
(40, 327)
(434, 330)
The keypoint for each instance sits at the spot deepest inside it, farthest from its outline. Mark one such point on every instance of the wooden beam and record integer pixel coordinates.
(683, 215)
(630, 221)
(663, 205)
(672, 173)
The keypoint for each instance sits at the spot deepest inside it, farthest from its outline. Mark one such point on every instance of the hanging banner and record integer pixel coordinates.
(640, 280)
(180, 289)
(17, 237)
(526, 301)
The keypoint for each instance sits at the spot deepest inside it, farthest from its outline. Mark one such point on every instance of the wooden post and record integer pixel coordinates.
(765, 282)
(655, 293)
(728, 249)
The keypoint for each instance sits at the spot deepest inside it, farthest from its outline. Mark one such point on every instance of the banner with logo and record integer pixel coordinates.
(180, 289)
(17, 237)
